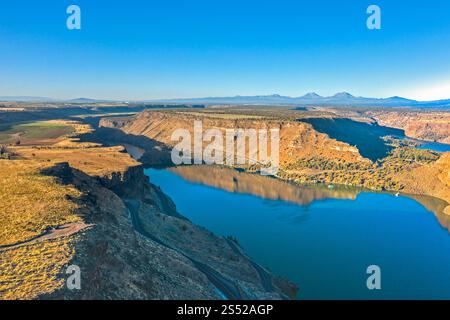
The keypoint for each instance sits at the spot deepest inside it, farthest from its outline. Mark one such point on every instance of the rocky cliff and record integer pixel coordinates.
(297, 139)
(429, 126)
(140, 247)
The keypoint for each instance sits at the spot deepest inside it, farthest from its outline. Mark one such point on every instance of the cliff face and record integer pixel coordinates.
(432, 179)
(430, 126)
(116, 262)
(297, 139)
(140, 248)
(126, 183)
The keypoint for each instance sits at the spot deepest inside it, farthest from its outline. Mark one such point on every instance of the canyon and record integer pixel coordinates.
(91, 204)
(306, 155)
(137, 245)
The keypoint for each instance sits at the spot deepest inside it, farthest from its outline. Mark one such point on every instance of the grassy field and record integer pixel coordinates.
(92, 161)
(34, 133)
(30, 271)
(30, 203)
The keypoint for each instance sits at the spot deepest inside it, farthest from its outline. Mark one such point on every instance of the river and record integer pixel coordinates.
(319, 238)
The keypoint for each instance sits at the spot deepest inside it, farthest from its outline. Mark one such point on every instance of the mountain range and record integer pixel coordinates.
(309, 99)
(51, 100)
(313, 99)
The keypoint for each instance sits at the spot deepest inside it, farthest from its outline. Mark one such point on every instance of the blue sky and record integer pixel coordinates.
(176, 48)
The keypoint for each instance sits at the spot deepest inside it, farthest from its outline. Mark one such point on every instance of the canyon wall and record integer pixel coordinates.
(429, 126)
(297, 139)
(307, 156)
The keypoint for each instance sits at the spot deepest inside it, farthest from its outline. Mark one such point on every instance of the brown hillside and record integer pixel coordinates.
(297, 140)
(431, 126)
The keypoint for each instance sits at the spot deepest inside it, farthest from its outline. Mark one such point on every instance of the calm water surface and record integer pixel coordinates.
(435, 146)
(321, 239)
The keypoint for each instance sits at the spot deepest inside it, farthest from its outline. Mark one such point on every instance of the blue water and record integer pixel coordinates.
(422, 144)
(435, 146)
(325, 247)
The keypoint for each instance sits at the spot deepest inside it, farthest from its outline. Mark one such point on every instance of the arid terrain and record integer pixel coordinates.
(71, 195)
(431, 126)
(68, 202)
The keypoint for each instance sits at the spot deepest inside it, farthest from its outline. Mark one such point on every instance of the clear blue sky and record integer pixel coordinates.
(177, 48)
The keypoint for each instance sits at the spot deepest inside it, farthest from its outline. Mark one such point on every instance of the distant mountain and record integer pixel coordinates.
(312, 99)
(46, 99)
(26, 99)
(88, 100)
(311, 95)
(343, 95)
(340, 99)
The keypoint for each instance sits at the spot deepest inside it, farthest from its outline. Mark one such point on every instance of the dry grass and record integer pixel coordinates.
(31, 271)
(88, 157)
(31, 202)
(73, 140)
(228, 116)
(92, 161)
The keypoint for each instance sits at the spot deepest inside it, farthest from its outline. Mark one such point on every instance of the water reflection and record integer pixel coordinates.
(275, 189)
(436, 206)
(261, 186)
(321, 239)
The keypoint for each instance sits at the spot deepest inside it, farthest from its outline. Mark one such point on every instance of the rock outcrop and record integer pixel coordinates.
(429, 126)
(141, 248)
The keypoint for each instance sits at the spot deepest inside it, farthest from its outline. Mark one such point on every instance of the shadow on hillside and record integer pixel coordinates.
(67, 175)
(156, 154)
(368, 138)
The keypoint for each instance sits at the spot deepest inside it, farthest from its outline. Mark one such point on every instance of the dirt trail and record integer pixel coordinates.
(51, 234)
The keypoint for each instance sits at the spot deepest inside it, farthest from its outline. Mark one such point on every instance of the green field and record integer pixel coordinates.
(32, 133)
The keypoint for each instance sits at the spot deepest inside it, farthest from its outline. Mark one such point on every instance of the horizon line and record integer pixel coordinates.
(16, 98)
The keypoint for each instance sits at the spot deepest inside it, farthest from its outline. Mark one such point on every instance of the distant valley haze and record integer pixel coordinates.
(308, 99)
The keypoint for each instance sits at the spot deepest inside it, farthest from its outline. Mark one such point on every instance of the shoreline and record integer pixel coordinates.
(288, 179)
